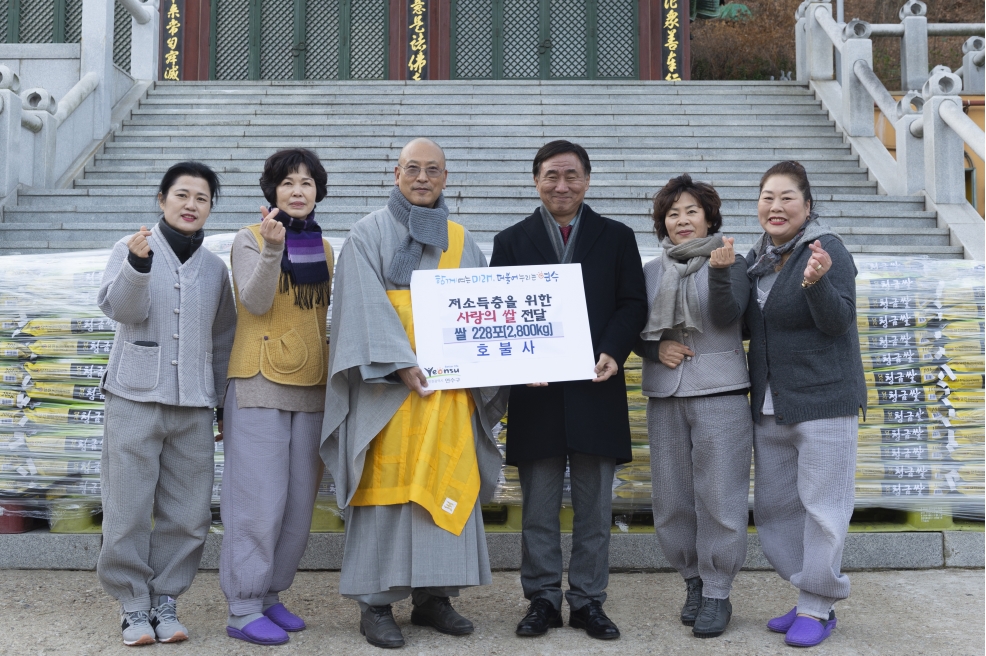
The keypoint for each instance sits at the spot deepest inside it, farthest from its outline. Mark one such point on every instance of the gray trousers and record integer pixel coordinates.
(418, 596)
(157, 464)
(700, 450)
(541, 484)
(803, 499)
(270, 480)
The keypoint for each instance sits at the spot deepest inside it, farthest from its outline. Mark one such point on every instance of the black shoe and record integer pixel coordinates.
(438, 613)
(712, 617)
(592, 618)
(541, 616)
(378, 625)
(693, 600)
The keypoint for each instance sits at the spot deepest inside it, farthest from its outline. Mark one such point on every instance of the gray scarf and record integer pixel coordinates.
(676, 303)
(426, 226)
(769, 256)
(563, 251)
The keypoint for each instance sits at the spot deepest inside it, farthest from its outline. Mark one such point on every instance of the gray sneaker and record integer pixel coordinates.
(164, 619)
(136, 628)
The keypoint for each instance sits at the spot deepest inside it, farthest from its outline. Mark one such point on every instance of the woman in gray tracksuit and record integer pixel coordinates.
(173, 303)
(698, 417)
(807, 388)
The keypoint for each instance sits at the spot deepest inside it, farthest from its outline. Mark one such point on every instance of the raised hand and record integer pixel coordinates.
(818, 264)
(271, 229)
(672, 353)
(415, 380)
(724, 256)
(138, 243)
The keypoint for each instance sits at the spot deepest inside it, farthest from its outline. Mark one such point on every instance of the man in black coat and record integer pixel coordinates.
(581, 423)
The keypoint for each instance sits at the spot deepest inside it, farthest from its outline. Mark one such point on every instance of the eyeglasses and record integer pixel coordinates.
(413, 170)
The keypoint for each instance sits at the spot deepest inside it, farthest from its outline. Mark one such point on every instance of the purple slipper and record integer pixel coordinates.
(809, 631)
(783, 623)
(284, 618)
(261, 631)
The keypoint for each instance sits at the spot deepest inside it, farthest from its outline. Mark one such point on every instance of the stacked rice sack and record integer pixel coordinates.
(54, 346)
(921, 446)
(54, 349)
(632, 487)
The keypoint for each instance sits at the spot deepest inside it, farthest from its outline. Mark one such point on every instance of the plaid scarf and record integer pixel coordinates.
(303, 265)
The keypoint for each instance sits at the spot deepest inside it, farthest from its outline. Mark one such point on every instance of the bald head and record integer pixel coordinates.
(420, 172)
(423, 148)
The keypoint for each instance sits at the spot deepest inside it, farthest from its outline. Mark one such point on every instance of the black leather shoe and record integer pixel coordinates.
(541, 616)
(712, 617)
(693, 600)
(438, 613)
(378, 625)
(592, 618)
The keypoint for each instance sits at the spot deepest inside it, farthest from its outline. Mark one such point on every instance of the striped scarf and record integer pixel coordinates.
(303, 265)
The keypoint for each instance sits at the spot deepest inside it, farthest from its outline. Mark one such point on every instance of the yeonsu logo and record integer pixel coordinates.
(447, 370)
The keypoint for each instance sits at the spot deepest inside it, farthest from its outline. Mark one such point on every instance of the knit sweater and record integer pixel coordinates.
(805, 341)
(256, 270)
(184, 317)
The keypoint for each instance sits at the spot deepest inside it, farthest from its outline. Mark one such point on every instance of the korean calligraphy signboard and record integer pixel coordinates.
(417, 40)
(172, 37)
(673, 26)
(501, 326)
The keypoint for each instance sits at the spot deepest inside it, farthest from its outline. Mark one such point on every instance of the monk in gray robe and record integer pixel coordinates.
(414, 525)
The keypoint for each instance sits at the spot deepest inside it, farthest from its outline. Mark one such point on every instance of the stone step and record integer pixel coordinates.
(649, 244)
(12, 232)
(442, 86)
(336, 164)
(361, 91)
(491, 103)
(597, 122)
(749, 185)
(475, 217)
(385, 175)
(253, 150)
(275, 138)
(735, 199)
(517, 134)
(480, 109)
(360, 111)
(739, 193)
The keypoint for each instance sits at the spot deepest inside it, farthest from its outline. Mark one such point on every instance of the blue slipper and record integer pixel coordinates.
(261, 631)
(809, 631)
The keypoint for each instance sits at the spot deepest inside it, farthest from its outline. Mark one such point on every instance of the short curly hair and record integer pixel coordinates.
(285, 162)
(703, 192)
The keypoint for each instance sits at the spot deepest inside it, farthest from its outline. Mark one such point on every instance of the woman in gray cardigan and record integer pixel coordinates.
(807, 383)
(173, 305)
(698, 418)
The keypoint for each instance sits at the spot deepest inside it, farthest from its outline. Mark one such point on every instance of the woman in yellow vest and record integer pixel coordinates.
(282, 271)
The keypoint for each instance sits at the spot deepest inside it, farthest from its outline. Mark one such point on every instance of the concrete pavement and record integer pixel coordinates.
(938, 611)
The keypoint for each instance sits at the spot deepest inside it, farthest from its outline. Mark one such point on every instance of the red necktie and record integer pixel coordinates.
(565, 232)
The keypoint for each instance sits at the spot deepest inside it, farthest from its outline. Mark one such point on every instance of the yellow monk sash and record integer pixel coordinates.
(426, 452)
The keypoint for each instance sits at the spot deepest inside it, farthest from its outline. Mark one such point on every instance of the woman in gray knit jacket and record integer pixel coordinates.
(807, 385)
(173, 305)
(698, 418)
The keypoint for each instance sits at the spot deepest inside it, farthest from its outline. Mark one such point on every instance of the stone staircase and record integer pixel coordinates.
(638, 135)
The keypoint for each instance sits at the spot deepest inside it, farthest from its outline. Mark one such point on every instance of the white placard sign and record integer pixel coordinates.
(501, 326)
